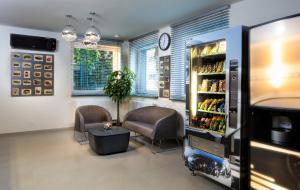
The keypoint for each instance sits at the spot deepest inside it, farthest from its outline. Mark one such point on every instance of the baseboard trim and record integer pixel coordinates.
(37, 131)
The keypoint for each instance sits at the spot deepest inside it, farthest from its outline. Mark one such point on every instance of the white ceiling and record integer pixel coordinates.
(128, 18)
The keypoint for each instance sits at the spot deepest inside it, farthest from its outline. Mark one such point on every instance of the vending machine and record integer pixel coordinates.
(216, 144)
(275, 104)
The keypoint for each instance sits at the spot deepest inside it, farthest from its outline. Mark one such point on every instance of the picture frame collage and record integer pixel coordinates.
(32, 74)
(164, 77)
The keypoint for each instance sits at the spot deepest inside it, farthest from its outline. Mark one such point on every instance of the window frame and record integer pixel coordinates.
(155, 67)
(147, 94)
(116, 66)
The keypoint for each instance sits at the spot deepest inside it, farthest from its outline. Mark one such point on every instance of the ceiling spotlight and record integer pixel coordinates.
(92, 34)
(69, 33)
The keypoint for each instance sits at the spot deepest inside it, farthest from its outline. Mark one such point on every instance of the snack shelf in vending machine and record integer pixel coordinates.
(216, 104)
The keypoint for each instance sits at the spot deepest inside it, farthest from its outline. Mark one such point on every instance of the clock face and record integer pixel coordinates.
(164, 41)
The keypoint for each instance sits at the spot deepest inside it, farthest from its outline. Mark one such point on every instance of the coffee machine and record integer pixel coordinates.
(275, 104)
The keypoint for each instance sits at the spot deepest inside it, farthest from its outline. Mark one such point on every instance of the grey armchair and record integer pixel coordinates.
(156, 123)
(90, 116)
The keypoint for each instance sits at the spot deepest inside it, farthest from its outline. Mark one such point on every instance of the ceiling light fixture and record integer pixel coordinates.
(69, 33)
(89, 44)
(92, 34)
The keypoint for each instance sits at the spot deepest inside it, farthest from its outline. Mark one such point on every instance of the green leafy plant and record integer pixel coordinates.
(118, 87)
(91, 68)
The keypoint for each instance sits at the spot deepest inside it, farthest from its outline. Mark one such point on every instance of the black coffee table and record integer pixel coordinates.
(110, 141)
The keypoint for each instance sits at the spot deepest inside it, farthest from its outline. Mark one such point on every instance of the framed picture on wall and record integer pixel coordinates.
(164, 77)
(32, 74)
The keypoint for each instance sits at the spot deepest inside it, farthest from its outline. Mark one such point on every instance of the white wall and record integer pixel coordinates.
(252, 12)
(19, 114)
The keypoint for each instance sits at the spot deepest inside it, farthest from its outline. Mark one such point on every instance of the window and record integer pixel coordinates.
(214, 20)
(144, 62)
(151, 69)
(91, 68)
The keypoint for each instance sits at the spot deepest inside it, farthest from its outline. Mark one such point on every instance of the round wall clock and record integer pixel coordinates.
(164, 41)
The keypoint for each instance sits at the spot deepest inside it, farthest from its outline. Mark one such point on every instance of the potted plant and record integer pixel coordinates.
(118, 87)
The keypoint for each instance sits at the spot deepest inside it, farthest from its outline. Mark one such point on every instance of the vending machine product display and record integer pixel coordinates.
(217, 101)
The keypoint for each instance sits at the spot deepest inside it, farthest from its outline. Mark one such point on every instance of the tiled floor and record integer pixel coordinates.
(52, 160)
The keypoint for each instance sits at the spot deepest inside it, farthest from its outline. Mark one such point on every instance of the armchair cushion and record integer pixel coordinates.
(139, 127)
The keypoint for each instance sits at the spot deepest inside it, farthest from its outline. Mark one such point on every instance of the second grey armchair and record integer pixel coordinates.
(156, 123)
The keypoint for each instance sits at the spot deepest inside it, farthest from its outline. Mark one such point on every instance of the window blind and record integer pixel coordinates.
(144, 63)
(212, 21)
(91, 67)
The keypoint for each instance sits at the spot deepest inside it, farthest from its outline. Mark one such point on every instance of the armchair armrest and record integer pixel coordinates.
(108, 116)
(79, 121)
(127, 116)
(166, 127)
